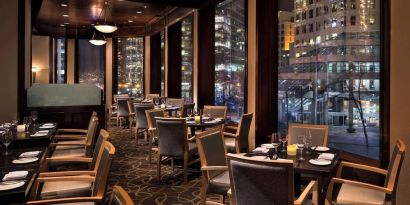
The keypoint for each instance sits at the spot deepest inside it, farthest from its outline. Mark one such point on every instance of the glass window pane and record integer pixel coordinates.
(230, 55)
(130, 67)
(91, 63)
(60, 60)
(186, 52)
(162, 63)
(331, 75)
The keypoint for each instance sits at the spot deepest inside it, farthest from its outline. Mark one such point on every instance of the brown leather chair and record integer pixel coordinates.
(239, 141)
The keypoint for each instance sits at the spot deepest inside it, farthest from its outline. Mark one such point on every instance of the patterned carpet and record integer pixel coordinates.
(138, 177)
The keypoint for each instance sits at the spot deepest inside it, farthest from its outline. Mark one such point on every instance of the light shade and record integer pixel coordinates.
(105, 28)
(97, 42)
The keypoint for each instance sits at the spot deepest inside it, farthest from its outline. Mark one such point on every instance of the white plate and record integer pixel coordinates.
(320, 162)
(46, 127)
(11, 186)
(321, 149)
(25, 160)
(39, 135)
(267, 146)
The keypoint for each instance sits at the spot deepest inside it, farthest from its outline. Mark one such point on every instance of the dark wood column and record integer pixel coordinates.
(174, 60)
(206, 56)
(155, 78)
(266, 70)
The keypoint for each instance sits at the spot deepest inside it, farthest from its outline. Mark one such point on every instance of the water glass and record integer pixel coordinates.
(189, 112)
(301, 144)
(275, 143)
(308, 140)
(156, 101)
(284, 139)
(26, 121)
(34, 116)
(6, 139)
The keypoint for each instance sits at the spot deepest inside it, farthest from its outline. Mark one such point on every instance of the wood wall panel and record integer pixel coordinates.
(174, 60)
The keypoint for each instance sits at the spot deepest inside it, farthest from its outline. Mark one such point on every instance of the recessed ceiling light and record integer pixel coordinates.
(130, 21)
(63, 5)
(139, 12)
(66, 23)
(66, 15)
(145, 6)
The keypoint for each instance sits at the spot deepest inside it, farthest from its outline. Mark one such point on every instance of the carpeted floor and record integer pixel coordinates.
(138, 177)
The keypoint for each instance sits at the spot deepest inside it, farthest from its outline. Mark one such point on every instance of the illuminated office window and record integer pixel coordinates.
(162, 63)
(60, 54)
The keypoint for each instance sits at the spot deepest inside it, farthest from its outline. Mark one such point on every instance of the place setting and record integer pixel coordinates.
(13, 180)
(47, 126)
(27, 157)
(40, 133)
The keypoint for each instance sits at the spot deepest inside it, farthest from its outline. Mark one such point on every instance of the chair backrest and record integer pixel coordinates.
(243, 132)
(140, 115)
(151, 96)
(211, 149)
(161, 99)
(186, 107)
(116, 96)
(215, 111)
(393, 171)
(120, 197)
(91, 130)
(103, 170)
(152, 115)
(130, 104)
(179, 102)
(102, 137)
(258, 181)
(172, 135)
(123, 107)
(319, 133)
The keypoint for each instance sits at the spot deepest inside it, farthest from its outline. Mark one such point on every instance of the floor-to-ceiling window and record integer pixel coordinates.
(130, 66)
(187, 59)
(91, 63)
(162, 63)
(230, 54)
(60, 60)
(329, 70)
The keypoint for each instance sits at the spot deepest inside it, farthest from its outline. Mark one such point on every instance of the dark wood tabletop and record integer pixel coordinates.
(26, 139)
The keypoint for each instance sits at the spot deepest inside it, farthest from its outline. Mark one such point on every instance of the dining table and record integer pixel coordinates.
(206, 122)
(304, 169)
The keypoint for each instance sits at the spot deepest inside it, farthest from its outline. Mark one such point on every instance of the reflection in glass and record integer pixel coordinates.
(91, 63)
(186, 52)
(130, 67)
(329, 70)
(230, 55)
(60, 60)
(162, 63)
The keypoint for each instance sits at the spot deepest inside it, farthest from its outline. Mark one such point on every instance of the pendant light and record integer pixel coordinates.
(98, 40)
(105, 27)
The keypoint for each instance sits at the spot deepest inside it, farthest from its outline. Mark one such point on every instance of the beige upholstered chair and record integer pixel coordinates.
(151, 96)
(212, 153)
(215, 111)
(360, 193)
(173, 143)
(74, 186)
(259, 181)
(239, 142)
(70, 134)
(178, 102)
(152, 129)
(120, 197)
(319, 133)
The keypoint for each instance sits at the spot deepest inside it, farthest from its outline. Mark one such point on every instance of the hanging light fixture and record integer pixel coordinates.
(98, 40)
(105, 27)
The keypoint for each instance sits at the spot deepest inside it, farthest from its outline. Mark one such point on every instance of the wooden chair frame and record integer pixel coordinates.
(309, 127)
(185, 155)
(204, 163)
(390, 189)
(74, 133)
(152, 132)
(114, 106)
(236, 135)
(151, 96)
(118, 118)
(207, 107)
(310, 188)
(120, 194)
(131, 111)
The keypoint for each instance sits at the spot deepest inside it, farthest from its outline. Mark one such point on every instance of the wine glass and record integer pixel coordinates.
(156, 101)
(301, 144)
(275, 144)
(308, 140)
(284, 139)
(34, 116)
(163, 101)
(6, 139)
(26, 121)
(189, 113)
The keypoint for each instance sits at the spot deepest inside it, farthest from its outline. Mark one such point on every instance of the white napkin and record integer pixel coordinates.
(260, 150)
(326, 156)
(30, 154)
(48, 125)
(40, 133)
(15, 175)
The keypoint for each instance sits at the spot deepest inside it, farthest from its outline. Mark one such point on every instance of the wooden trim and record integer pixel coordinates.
(76, 63)
(21, 81)
(51, 60)
(155, 78)
(114, 85)
(119, 193)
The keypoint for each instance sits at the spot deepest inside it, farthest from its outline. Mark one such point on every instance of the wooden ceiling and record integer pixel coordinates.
(131, 16)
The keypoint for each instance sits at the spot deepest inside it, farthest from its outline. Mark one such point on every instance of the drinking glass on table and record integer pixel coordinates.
(284, 139)
(308, 140)
(26, 121)
(156, 101)
(34, 116)
(6, 139)
(301, 144)
(275, 143)
(189, 113)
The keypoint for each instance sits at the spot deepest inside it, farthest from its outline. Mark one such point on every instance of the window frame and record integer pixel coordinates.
(54, 47)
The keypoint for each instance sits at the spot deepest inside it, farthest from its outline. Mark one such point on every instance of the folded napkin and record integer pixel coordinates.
(15, 175)
(260, 150)
(40, 133)
(48, 125)
(30, 154)
(326, 156)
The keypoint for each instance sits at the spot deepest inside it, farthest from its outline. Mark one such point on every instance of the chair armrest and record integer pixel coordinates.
(70, 200)
(359, 166)
(191, 139)
(231, 127)
(212, 203)
(310, 188)
(152, 129)
(69, 159)
(70, 137)
(229, 134)
(67, 173)
(68, 144)
(72, 130)
(66, 178)
(214, 168)
(361, 184)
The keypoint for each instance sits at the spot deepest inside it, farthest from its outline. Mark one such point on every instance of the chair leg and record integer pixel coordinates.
(136, 136)
(204, 187)
(173, 164)
(146, 135)
(130, 125)
(185, 167)
(159, 167)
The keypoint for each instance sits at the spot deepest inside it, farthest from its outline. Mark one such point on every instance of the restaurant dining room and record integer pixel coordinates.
(237, 102)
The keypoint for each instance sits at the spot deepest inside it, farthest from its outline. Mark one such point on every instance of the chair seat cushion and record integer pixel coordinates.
(219, 184)
(78, 152)
(192, 148)
(66, 189)
(230, 144)
(69, 142)
(350, 194)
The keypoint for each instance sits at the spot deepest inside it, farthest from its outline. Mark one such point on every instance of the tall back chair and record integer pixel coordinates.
(212, 153)
(120, 197)
(173, 142)
(98, 148)
(123, 112)
(186, 107)
(354, 192)
(151, 96)
(259, 181)
(141, 118)
(116, 96)
(152, 115)
(91, 133)
(131, 115)
(177, 102)
(103, 167)
(319, 133)
(239, 142)
(215, 111)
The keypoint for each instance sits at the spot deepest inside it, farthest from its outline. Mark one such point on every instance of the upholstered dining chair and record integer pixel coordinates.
(151, 96)
(178, 102)
(239, 142)
(319, 133)
(256, 180)
(360, 193)
(74, 186)
(123, 112)
(70, 133)
(215, 111)
(186, 107)
(212, 154)
(120, 197)
(91, 160)
(173, 143)
(131, 115)
(112, 111)
(141, 124)
(152, 129)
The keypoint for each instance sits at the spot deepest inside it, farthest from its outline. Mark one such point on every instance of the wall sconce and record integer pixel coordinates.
(34, 71)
